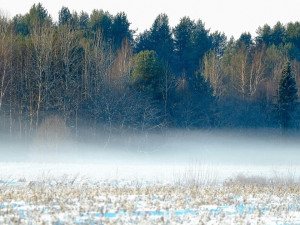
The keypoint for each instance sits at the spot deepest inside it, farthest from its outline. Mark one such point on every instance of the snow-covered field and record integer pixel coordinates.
(185, 179)
(72, 201)
(64, 193)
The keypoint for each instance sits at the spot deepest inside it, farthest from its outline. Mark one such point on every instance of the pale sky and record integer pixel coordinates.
(230, 16)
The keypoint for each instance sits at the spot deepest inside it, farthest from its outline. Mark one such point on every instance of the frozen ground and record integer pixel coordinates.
(177, 178)
(64, 201)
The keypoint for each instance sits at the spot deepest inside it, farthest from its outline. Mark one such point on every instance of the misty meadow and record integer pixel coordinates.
(100, 124)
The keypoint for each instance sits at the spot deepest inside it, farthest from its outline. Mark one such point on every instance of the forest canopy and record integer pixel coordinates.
(93, 71)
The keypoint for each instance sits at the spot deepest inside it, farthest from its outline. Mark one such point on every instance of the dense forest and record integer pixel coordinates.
(94, 72)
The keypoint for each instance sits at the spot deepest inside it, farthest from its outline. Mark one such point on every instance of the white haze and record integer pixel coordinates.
(154, 157)
(231, 16)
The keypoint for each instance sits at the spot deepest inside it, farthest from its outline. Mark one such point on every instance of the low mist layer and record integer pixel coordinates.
(157, 155)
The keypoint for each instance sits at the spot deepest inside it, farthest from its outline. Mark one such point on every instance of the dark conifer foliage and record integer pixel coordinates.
(64, 16)
(287, 97)
(158, 38)
(192, 41)
(120, 29)
(218, 42)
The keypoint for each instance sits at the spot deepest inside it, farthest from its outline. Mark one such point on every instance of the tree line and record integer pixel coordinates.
(93, 71)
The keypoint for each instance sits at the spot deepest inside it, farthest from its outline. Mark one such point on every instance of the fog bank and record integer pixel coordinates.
(155, 156)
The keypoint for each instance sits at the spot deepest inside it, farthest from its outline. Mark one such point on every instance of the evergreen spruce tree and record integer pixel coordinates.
(286, 97)
(64, 16)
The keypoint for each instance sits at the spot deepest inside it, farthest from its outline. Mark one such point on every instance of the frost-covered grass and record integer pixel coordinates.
(80, 201)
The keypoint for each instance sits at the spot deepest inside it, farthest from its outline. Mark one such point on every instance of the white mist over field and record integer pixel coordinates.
(160, 157)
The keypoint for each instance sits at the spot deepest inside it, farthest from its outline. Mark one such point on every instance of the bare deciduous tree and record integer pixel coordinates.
(257, 70)
(6, 56)
(42, 41)
(212, 72)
